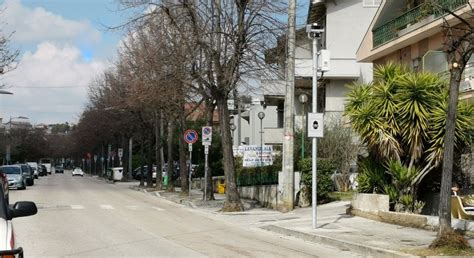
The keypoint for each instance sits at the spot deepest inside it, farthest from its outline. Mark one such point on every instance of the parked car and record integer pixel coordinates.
(42, 171)
(77, 172)
(48, 164)
(28, 172)
(34, 166)
(16, 179)
(8, 247)
(59, 169)
(4, 182)
(137, 174)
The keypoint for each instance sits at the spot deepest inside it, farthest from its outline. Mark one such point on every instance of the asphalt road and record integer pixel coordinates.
(85, 216)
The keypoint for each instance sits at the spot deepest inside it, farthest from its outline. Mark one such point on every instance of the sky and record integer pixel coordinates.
(64, 45)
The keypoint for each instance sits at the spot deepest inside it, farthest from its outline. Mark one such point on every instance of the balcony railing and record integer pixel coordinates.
(389, 30)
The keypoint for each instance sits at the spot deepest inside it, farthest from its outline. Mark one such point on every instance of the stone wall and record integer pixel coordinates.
(266, 195)
(370, 202)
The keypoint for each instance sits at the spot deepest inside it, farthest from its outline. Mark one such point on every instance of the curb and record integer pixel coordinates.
(360, 248)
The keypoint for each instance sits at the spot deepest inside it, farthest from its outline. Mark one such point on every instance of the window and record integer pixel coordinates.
(371, 3)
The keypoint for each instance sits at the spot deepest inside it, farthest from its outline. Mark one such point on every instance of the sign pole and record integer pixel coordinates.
(206, 141)
(190, 166)
(190, 136)
(206, 152)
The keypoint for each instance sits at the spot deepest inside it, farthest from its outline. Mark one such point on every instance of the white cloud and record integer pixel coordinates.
(35, 25)
(59, 67)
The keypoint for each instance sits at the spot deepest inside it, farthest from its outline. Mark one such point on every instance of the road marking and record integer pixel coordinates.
(107, 207)
(132, 207)
(77, 207)
(157, 208)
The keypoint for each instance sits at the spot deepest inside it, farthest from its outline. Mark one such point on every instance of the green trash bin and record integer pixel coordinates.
(165, 180)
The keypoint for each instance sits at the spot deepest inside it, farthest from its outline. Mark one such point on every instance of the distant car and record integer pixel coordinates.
(77, 172)
(42, 171)
(34, 166)
(59, 169)
(28, 172)
(8, 246)
(16, 179)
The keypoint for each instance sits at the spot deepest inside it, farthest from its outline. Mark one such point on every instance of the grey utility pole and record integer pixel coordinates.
(288, 181)
(315, 121)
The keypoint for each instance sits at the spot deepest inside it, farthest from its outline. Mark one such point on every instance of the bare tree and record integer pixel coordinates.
(459, 46)
(224, 42)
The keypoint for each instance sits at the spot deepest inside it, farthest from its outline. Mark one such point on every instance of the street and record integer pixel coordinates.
(85, 216)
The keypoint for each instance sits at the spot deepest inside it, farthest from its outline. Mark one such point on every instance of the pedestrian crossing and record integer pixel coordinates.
(100, 207)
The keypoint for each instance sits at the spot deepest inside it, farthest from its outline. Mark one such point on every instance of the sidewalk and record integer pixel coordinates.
(334, 227)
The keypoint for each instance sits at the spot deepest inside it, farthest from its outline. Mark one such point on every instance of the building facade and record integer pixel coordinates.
(412, 34)
(345, 23)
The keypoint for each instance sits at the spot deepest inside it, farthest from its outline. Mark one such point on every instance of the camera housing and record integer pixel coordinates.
(314, 28)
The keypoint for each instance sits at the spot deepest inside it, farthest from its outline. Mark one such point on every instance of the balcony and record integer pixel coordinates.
(390, 30)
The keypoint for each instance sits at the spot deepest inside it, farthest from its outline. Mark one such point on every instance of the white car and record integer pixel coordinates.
(77, 172)
(8, 246)
(34, 165)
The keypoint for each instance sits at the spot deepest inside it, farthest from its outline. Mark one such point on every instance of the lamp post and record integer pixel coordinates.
(232, 128)
(303, 98)
(261, 116)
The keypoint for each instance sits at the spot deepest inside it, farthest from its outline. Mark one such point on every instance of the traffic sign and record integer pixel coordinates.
(120, 152)
(315, 125)
(206, 135)
(191, 136)
(95, 158)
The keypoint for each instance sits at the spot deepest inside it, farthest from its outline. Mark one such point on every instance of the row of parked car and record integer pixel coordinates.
(15, 176)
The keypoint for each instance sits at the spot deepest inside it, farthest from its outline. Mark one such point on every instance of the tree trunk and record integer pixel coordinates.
(162, 154)
(183, 168)
(170, 156)
(447, 174)
(209, 186)
(159, 164)
(142, 161)
(232, 202)
(149, 178)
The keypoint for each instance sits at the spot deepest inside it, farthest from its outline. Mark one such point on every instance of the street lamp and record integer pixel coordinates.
(303, 98)
(6, 92)
(232, 128)
(261, 116)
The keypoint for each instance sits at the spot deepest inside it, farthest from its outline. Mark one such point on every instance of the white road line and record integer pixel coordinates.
(77, 207)
(157, 208)
(132, 207)
(107, 207)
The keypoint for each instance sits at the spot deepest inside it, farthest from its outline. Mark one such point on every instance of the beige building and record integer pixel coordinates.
(407, 32)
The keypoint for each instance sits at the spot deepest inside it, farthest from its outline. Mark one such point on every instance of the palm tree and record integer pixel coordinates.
(402, 115)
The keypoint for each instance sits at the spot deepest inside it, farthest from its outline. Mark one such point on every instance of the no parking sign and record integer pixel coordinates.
(206, 135)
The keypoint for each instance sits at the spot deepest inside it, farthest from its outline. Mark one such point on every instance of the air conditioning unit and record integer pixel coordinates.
(466, 86)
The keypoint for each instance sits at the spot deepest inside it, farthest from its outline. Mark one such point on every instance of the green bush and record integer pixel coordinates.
(372, 177)
(266, 175)
(325, 169)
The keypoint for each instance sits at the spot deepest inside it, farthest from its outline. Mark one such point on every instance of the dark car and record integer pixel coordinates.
(42, 171)
(59, 169)
(28, 173)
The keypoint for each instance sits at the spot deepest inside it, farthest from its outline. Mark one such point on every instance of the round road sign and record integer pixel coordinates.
(191, 136)
(206, 131)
